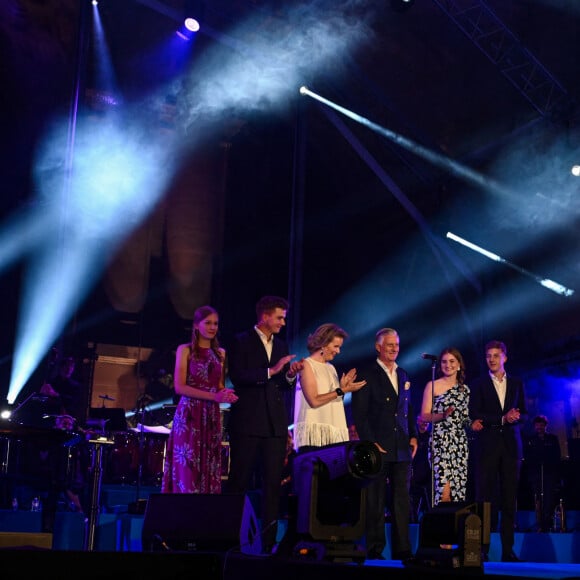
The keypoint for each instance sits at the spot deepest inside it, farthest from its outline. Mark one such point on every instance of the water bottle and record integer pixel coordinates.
(35, 506)
(559, 517)
(15, 504)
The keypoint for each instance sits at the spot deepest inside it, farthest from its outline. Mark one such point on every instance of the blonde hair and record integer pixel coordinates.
(324, 335)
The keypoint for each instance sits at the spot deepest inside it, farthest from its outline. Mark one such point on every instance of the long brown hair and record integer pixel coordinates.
(200, 314)
(461, 372)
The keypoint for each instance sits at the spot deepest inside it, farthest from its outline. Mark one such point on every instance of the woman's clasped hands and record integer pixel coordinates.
(226, 396)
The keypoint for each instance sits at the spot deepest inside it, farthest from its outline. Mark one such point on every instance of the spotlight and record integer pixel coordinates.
(191, 24)
(188, 29)
(575, 170)
(401, 5)
(328, 510)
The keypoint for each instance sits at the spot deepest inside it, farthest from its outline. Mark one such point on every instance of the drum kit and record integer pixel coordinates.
(137, 454)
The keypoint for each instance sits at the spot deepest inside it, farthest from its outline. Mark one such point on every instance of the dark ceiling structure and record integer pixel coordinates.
(470, 125)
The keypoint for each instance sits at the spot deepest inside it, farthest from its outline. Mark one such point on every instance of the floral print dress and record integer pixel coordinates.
(193, 456)
(448, 450)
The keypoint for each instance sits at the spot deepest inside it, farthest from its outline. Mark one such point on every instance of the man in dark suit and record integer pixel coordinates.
(383, 414)
(260, 370)
(498, 403)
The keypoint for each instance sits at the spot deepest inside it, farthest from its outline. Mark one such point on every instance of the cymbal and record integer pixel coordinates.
(106, 397)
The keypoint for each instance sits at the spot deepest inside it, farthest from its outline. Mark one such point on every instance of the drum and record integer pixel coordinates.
(122, 462)
(154, 458)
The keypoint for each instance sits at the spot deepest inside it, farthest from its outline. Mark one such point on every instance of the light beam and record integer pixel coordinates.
(545, 282)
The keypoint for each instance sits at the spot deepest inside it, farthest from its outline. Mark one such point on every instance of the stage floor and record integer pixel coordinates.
(19, 563)
(122, 532)
(119, 547)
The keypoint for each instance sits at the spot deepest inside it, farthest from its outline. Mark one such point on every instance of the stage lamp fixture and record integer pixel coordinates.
(401, 5)
(359, 459)
(188, 29)
(191, 24)
(330, 491)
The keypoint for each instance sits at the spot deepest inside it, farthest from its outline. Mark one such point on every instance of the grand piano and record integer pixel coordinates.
(35, 457)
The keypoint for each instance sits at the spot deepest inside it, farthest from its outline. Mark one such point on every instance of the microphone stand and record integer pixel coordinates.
(540, 520)
(140, 447)
(91, 523)
(433, 367)
(138, 506)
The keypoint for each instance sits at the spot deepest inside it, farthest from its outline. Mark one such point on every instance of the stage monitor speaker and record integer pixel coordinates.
(452, 533)
(443, 522)
(193, 522)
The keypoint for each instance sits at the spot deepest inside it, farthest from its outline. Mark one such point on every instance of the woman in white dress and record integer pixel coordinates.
(319, 415)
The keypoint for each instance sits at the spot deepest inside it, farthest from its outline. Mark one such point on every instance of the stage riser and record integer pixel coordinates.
(18, 564)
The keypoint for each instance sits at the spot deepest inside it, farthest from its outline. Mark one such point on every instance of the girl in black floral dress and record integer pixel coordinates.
(446, 405)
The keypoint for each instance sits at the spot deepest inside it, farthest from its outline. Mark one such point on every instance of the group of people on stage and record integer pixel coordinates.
(492, 408)
(262, 372)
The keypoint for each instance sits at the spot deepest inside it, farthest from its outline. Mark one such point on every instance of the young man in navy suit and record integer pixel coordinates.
(498, 404)
(261, 371)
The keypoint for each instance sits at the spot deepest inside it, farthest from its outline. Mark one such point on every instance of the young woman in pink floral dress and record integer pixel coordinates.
(193, 456)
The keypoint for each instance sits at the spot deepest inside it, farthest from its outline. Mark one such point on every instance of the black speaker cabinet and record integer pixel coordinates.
(451, 535)
(194, 522)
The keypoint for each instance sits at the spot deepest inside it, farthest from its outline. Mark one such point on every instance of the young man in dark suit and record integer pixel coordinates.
(498, 404)
(260, 370)
(383, 414)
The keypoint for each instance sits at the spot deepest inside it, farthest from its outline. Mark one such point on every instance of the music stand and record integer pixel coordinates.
(114, 417)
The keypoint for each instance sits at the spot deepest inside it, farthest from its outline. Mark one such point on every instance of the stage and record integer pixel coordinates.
(19, 563)
(118, 551)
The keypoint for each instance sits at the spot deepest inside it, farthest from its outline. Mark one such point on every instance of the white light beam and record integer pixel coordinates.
(545, 282)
